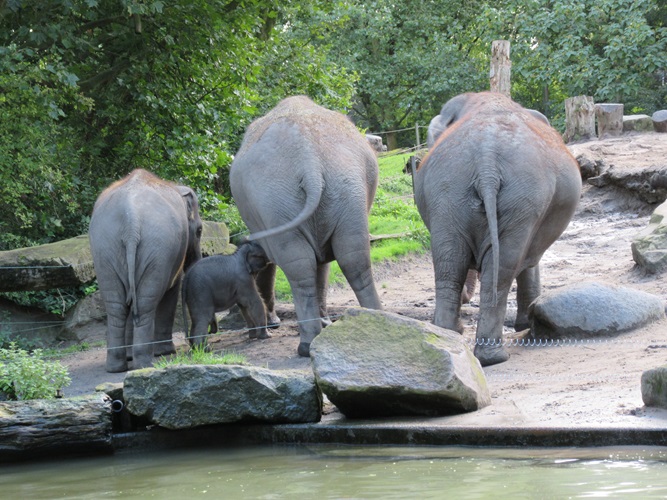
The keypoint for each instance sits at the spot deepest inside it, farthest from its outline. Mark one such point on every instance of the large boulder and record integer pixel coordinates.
(649, 249)
(590, 309)
(185, 396)
(637, 123)
(654, 387)
(375, 364)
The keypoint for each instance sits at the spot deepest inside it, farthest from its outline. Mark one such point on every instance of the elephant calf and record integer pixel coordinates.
(216, 283)
(497, 188)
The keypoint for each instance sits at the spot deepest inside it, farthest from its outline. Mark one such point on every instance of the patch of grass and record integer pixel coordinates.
(200, 356)
(59, 352)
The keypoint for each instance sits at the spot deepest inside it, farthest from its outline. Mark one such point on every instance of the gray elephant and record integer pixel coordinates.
(144, 232)
(216, 283)
(304, 181)
(497, 188)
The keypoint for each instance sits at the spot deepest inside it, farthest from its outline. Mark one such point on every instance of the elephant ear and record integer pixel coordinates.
(190, 199)
(452, 111)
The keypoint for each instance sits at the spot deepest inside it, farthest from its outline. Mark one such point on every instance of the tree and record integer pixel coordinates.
(603, 48)
(111, 85)
(410, 56)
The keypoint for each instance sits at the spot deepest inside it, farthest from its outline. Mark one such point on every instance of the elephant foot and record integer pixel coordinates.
(164, 349)
(491, 354)
(273, 321)
(304, 349)
(115, 366)
(259, 334)
(326, 321)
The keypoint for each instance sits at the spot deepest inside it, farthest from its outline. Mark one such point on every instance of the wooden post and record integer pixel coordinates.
(610, 119)
(501, 67)
(579, 118)
(417, 134)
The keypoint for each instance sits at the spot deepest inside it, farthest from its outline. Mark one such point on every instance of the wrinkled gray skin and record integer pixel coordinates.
(304, 181)
(216, 283)
(496, 190)
(144, 232)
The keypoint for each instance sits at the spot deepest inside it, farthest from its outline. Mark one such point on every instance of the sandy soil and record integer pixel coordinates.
(584, 384)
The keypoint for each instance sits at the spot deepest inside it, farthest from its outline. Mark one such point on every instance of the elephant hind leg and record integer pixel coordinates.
(527, 290)
(265, 282)
(356, 266)
(119, 329)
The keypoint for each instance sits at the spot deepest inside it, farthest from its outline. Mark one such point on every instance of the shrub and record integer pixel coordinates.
(25, 375)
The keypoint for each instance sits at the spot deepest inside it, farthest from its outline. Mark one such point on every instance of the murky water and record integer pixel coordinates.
(323, 472)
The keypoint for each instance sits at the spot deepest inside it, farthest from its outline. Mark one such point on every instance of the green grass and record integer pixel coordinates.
(199, 356)
(393, 213)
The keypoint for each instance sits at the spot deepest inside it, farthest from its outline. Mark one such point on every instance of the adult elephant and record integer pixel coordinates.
(304, 181)
(497, 188)
(144, 232)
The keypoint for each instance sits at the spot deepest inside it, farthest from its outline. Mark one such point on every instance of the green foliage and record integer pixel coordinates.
(200, 356)
(56, 301)
(25, 375)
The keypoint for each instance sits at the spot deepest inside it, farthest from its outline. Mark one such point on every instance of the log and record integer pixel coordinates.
(610, 119)
(58, 427)
(501, 67)
(579, 118)
(660, 121)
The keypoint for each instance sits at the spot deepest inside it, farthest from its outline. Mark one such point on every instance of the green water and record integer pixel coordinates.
(323, 472)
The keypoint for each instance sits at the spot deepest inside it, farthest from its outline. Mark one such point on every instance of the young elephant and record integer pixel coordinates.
(217, 283)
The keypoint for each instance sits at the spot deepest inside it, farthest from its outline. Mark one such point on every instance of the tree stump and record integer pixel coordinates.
(610, 119)
(579, 118)
(501, 67)
(660, 121)
(57, 427)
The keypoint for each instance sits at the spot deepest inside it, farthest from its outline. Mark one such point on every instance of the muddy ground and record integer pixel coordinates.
(584, 384)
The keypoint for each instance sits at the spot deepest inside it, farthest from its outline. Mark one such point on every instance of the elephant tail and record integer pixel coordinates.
(313, 185)
(131, 256)
(488, 188)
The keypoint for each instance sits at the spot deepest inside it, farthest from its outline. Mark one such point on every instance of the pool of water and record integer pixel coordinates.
(350, 472)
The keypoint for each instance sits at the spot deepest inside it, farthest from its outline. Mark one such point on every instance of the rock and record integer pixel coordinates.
(86, 319)
(637, 123)
(375, 364)
(659, 119)
(591, 168)
(592, 309)
(56, 265)
(647, 184)
(185, 396)
(654, 387)
(376, 143)
(649, 248)
(215, 239)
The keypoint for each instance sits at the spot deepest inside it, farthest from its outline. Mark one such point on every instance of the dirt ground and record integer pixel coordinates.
(589, 384)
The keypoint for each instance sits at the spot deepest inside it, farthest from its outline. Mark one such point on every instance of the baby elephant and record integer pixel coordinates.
(217, 283)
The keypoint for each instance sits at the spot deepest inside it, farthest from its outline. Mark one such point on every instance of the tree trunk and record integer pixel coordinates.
(579, 118)
(610, 119)
(392, 141)
(41, 427)
(660, 121)
(501, 67)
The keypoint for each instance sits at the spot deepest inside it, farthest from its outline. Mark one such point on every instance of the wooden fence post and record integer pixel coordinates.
(579, 118)
(610, 119)
(501, 67)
